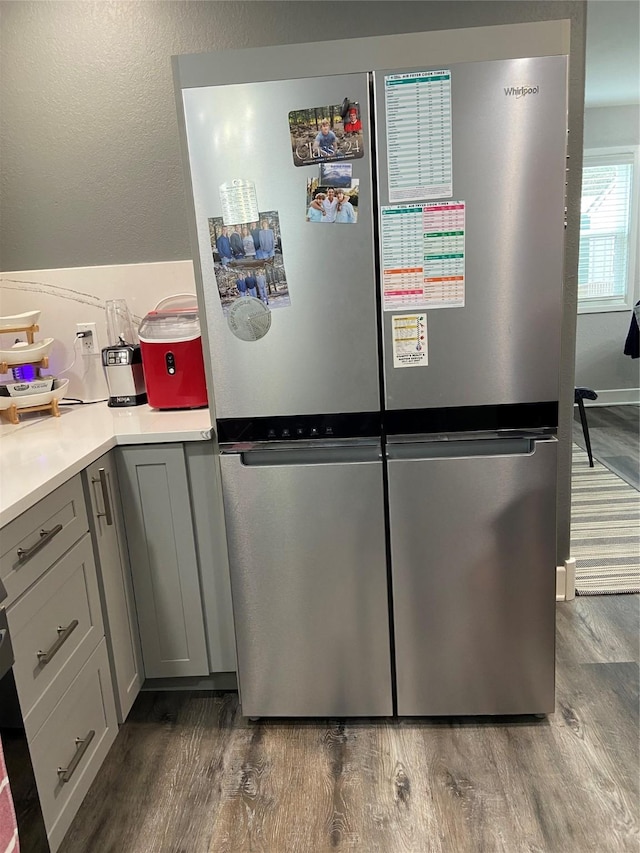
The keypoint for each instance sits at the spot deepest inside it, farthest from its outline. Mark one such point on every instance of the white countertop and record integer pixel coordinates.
(40, 453)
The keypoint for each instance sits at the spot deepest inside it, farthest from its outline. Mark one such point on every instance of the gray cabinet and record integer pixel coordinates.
(119, 611)
(61, 669)
(203, 468)
(162, 550)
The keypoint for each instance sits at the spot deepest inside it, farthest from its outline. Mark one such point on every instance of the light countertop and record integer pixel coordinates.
(40, 453)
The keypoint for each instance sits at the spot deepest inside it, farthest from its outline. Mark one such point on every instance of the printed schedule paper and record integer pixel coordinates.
(410, 340)
(419, 153)
(423, 255)
(239, 202)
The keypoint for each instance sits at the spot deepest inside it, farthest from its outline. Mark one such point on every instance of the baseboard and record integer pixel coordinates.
(214, 681)
(616, 397)
(566, 580)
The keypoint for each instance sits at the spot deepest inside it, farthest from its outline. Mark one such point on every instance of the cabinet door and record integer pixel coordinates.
(211, 547)
(121, 622)
(164, 568)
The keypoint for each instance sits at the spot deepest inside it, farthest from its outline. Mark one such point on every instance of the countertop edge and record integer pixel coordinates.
(109, 439)
(164, 437)
(23, 504)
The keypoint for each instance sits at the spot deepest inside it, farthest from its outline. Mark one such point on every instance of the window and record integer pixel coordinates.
(607, 230)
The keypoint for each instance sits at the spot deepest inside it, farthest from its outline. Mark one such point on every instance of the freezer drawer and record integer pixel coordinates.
(308, 578)
(473, 565)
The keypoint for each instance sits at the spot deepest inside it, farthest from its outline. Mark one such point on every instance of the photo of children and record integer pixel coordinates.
(248, 261)
(323, 134)
(332, 204)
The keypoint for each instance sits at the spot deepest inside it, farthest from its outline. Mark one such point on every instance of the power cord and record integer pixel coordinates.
(76, 401)
(75, 353)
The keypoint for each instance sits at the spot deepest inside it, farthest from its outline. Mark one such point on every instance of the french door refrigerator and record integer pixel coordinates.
(386, 380)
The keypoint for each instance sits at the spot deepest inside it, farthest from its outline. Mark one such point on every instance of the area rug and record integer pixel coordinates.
(605, 529)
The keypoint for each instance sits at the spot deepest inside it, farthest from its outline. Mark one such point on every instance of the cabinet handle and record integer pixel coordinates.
(25, 554)
(63, 635)
(102, 479)
(82, 744)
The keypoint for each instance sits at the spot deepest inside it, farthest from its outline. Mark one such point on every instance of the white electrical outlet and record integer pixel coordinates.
(88, 344)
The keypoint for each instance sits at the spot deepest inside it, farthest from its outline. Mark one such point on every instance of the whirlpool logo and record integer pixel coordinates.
(521, 91)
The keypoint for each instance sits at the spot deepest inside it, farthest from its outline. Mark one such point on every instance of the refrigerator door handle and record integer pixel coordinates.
(313, 456)
(461, 448)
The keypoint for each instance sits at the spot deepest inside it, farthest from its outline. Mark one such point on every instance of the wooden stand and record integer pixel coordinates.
(12, 414)
(39, 365)
(28, 330)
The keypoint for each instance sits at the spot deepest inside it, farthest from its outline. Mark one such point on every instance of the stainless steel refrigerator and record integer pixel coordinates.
(387, 412)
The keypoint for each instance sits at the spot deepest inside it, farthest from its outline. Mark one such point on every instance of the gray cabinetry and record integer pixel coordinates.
(107, 528)
(203, 468)
(62, 669)
(162, 550)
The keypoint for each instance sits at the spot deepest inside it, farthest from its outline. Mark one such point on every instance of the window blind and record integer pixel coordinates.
(605, 222)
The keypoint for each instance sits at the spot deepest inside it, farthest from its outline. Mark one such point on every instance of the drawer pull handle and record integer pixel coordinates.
(25, 554)
(63, 635)
(82, 744)
(102, 479)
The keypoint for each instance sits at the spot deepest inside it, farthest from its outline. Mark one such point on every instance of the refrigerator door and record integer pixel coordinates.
(308, 577)
(473, 557)
(320, 353)
(508, 167)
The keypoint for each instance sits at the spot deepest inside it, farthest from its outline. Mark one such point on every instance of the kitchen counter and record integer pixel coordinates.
(40, 453)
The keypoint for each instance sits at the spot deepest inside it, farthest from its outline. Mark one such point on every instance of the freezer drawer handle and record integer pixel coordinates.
(106, 502)
(25, 554)
(82, 744)
(63, 635)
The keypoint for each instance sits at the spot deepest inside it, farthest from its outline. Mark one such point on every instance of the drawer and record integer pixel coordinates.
(37, 538)
(47, 658)
(65, 741)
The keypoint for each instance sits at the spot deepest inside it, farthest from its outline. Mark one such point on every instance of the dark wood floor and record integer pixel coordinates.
(615, 439)
(188, 774)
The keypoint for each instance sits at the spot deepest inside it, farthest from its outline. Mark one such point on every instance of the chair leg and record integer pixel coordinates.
(585, 430)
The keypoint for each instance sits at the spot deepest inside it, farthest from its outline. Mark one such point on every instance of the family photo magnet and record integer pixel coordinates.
(248, 261)
(327, 133)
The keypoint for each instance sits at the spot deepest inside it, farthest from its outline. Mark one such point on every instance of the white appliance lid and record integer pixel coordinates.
(171, 326)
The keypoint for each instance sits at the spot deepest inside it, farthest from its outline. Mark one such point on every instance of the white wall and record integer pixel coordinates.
(70, 296)
(600, 360)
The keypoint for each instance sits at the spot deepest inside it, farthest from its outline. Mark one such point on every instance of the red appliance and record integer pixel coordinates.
(171, 347)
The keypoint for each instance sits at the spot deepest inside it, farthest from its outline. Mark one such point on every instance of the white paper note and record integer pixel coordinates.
(239, 202)
(410, 340)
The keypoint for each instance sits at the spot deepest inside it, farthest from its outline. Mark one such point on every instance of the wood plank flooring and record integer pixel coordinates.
(188, 774)
(615, 439)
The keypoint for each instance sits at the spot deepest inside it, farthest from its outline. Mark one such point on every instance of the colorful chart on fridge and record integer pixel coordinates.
(419, 150)
(423, 255)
